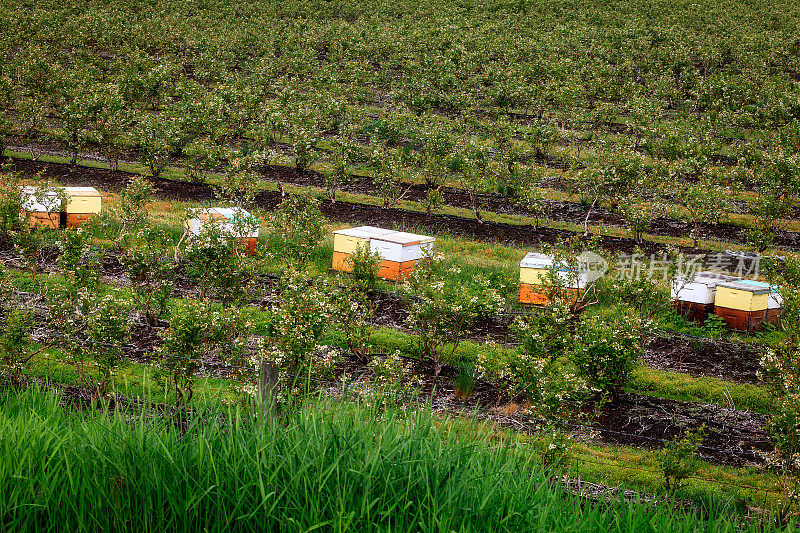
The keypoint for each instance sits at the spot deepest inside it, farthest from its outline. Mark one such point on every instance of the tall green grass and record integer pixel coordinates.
(326, 467)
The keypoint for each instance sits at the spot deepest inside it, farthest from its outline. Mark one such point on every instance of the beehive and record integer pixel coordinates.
(81, 203)
(43, 208)
(694, 297)
(399, 251)
(742, 304)
(347, 241)
(534, 277)
(774, 300)
(234, 222)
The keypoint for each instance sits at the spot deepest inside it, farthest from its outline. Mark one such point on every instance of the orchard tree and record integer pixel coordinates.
(241, 180)
(443, 306)
(295, 229)
(157, 137)
(778, 190)
(112, 123)
(781, 371)
(474, 167)
(345, 153)
(78, 104)
(8, 97)
(704, 202)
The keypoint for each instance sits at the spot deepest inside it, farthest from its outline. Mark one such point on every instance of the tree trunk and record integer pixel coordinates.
(588, 214)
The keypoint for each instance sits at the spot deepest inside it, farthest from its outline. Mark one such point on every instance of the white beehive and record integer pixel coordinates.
(346, 241)
(700, 289)
(535, 267)
(401, 247)
(37, 201)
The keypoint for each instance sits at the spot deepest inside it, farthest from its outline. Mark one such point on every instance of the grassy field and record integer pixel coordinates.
(324, 466)
(495, 125)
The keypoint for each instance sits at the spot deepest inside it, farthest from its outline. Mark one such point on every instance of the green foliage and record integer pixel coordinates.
(315, 468)
(295, 325)
(442, 307)
(365, 267)
(131, 212)
(215, 259)
(183, 345)
(605, 352)
(295, 229)
(16, 345)
(151, 270)
(352, 313)
(678, 459)
(108, 329)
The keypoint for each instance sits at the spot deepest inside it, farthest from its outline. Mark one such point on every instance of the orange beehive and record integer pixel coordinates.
(399, 251)
(535, 278)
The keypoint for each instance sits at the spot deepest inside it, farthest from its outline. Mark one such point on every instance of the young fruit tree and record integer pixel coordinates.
(443, 306)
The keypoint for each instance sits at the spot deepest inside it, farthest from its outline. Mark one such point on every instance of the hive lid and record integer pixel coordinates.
(224, 214)
(404, 239)
(30, 189)
(231, 212)
(362, 232)
(541, 261)
(536, 260)
(711, 279)
(760, 284)
(740, 286)
(81, 191)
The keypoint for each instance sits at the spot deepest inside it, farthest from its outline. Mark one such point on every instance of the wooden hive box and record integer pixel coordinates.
(347, 241)
(774, 301)
(694, 297)
(43, 207)
(81, 204)
(534, 277)
(399, 252)
(228, 218)
(742, 305)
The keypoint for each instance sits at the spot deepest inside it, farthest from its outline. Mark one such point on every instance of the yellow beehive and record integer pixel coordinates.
(534, 269)
(742, 297)
(82, 200)
(347, 241)
(398, 251)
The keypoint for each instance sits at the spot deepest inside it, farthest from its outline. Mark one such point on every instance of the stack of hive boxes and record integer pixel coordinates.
(82, 203)
(535, 277)
(43, 207)
(694, 296)
(399, 251)
(234, 222)
(46, 208)
(745, 305)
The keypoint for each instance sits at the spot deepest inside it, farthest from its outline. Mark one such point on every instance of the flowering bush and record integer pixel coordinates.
(605, 351)
(216, 261)
(295, 229)
(352, 313)
(183, 345)
(295, 324)
(365, 267)
(152, 273)
(781, 371)
(79, 262)
(539, 367)
(131, 212)
(16, 346)
(108, 328)
(442, 307)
